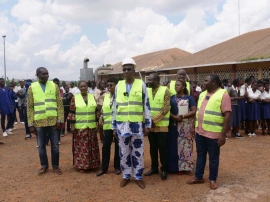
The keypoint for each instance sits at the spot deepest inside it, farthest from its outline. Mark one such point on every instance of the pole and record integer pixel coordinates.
(4, 37)
(238, 17)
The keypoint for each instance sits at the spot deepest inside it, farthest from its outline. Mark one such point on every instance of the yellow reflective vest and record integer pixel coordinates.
(172, 87)
(157, 103)
(213, 118)
(45, 103)
(130, 106)
(85, 116)
(107, 112)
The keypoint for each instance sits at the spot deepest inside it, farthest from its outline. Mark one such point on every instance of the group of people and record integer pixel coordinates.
(12, 99)
(124, 111)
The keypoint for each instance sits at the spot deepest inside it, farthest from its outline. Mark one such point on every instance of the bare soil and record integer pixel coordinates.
(244, 175)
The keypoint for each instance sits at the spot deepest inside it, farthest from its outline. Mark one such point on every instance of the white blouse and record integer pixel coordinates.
(265, 95)
(253, 95)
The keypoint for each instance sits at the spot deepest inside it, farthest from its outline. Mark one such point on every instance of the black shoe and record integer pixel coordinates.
(163, 175)
(150, 172)
(100, 173)
(117, 171)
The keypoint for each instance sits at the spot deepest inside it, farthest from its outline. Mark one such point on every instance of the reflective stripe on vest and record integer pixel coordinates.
(157, 103)
(130, 107)
(107, 113)
(213, 118)
(85, 115)
(45, 103)
(172, 87)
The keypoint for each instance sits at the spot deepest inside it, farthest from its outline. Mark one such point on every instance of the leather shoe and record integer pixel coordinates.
(117, 171)
(213, 185)
(140, 183)
(57, 170)
(124, 182)
(100, 173)
(163, 175)
(150, 172)
(195, 181)
(42, 171)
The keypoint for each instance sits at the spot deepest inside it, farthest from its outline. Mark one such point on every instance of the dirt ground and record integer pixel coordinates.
(243, 176)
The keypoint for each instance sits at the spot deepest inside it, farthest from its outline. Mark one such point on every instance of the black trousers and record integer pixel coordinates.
(158, 144)
(106, 151)
(10, 120)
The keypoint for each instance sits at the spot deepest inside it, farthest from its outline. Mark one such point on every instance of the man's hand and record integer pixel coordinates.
(115, 134)
(32, 130)
(146, 133)
(221, 140)
(58, 125)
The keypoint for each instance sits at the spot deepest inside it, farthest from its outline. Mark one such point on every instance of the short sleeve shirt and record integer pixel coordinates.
(225, 107)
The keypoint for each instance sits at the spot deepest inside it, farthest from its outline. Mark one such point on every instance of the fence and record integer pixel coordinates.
(260, 73)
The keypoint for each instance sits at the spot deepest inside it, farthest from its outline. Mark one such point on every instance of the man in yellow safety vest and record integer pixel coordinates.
(45, 115)
(106, 121)
(130, 109)
(181, 74)
(212, 123)
(159, 97)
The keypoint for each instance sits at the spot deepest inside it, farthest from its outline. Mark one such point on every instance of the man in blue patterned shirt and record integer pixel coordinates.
(131, 118)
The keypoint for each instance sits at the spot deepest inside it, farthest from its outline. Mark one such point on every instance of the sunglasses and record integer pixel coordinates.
(127, 69)
(110, 85)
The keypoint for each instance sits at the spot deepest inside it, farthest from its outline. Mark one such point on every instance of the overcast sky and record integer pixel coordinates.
(59, 34)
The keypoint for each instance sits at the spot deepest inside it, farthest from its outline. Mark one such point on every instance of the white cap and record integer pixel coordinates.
(128, 61)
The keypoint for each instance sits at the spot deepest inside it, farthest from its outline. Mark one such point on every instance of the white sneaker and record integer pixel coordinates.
(8, 132)
(259, 127)
(253, 135)
(22, 122)
(250, 135)
(10, 129)
(5, 134)
(16, 123)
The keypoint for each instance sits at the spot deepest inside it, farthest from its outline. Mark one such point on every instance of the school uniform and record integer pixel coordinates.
(235, 115)
(242, 104)
(265, 107)
(6, 109)
(253, 108)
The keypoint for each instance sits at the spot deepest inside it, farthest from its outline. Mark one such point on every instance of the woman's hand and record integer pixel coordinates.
(100, 121)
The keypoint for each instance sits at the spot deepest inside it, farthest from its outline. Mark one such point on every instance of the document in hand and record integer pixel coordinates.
(182, 110)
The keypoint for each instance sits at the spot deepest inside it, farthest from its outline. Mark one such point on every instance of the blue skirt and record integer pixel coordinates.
(253, 110)
(172, 150)
(242, 106)
(235, 116)
(265, 111)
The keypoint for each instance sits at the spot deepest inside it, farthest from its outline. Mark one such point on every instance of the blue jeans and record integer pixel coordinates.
(204, 145)
(41, 139)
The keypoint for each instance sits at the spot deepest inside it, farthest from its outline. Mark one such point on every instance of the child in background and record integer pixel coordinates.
(252, 108)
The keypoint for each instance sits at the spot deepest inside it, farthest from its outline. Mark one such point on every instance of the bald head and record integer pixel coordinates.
(181, 74)
(153, 80)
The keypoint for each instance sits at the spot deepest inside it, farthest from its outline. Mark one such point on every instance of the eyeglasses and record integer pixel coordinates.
(110, 85)
(127, 69)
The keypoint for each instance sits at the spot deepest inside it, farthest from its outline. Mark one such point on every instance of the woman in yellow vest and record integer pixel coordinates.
(82, 118)
(105, 120)
(181, 135)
